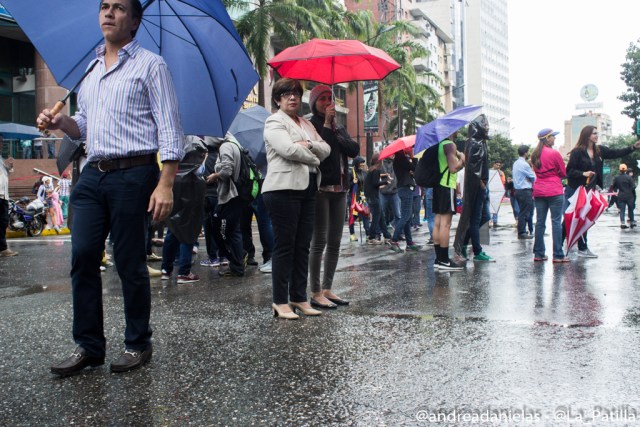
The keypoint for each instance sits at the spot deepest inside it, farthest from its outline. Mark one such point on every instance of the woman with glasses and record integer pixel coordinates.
(294, 152)
(585, 168)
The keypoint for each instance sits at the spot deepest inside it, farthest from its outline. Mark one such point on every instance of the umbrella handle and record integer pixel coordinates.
(588, 179)
(42, 127)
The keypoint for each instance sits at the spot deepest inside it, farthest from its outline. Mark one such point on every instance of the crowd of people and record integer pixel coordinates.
(307, 193)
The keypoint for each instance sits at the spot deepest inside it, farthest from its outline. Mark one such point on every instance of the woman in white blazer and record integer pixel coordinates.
(294, 152)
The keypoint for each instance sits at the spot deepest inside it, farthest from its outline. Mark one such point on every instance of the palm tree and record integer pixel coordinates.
(285, 23)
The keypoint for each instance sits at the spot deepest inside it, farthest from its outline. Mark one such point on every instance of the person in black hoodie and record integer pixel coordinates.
(585, 168)
(625, 186)
(404, 164)
(331, 198)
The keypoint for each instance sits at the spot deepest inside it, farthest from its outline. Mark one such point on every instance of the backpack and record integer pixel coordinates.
(427, 173)
(249, 178)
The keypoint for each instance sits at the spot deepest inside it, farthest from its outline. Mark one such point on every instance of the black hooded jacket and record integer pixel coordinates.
(342, 145)
(476, 152)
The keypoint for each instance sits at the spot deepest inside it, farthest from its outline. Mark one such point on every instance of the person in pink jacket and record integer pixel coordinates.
(548, 194)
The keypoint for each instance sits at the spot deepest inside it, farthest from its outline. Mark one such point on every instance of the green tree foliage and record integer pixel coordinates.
(630, 74)
(502, 149)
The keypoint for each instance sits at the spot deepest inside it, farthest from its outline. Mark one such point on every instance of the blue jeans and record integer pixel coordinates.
(543, 205)
(428, 209)
(622, 204)
(390, 203)
(525, 201)
(113, 202)
(479, 216)
(403, 224)
(172, 248)
(415, 219)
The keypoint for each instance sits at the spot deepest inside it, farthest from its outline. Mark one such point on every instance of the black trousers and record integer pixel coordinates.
(292, 215)
(4, 223)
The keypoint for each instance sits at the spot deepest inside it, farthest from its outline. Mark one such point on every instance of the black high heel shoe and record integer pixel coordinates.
(338, 301)
(317, 304)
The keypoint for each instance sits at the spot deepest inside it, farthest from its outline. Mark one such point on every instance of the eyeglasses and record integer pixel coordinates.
(289, 94)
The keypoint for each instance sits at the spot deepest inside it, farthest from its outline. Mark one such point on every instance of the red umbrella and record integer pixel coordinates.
(397, 145)
(333, 61)
(585, 207)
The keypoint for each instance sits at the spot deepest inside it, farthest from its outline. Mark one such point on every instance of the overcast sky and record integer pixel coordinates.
(556, 47)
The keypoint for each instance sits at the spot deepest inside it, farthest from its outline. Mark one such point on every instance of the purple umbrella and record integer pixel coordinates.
(442, 127)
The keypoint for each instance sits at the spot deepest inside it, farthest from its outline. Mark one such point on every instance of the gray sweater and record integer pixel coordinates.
(228, 166)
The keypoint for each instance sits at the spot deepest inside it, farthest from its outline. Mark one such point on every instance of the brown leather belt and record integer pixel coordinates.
(108, 165)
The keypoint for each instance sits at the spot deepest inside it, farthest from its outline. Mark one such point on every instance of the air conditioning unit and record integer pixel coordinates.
(24, 83)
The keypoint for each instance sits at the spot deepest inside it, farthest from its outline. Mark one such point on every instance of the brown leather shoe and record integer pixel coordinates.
(131, 359)
(76, 363)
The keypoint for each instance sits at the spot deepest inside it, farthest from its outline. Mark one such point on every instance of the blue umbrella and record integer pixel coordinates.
(248, 129)
(211, 69)
(433, 132)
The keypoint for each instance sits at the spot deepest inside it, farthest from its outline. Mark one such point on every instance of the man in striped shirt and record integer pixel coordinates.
(127, 113)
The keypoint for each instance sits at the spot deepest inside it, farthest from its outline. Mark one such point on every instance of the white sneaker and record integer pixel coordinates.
(266, 267)
(587, 254)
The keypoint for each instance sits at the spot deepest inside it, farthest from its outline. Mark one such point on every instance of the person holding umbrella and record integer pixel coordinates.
(585, 168)
(294, 153)
(133, 89)
(331, 199)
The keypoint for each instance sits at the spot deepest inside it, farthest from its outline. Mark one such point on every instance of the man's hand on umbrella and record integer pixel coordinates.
(588, 174)
(48, 120)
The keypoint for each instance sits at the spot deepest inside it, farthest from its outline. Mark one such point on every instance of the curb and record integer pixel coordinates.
(50, 232)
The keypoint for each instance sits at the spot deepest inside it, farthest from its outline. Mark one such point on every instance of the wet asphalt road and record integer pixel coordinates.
(505, 343)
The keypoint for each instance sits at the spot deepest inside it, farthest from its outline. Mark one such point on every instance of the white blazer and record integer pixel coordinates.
(289, 164)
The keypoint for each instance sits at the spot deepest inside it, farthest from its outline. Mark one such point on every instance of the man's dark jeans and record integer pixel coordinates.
(113, 202)
(525, 201)
(292, 215)
(210, 203)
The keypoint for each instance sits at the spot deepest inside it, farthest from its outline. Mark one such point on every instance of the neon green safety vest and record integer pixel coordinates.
(449, 178)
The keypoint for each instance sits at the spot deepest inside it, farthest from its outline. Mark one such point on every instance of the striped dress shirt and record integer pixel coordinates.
(131, 109)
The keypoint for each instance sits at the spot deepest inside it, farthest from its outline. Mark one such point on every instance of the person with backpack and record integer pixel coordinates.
(294, 152)
(226, 217)
(331, 198)
(450, 161)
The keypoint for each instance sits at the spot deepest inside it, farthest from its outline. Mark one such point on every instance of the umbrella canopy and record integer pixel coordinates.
(248, 129)
(18, 131)
(433, 132)
(333, 61)
(585, 207)
(211, 70)
(398, 145)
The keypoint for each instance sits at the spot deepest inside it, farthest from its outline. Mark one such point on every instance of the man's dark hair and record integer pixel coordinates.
(136, 13)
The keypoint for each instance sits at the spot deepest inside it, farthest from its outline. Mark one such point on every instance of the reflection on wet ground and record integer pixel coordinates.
(499, 337)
